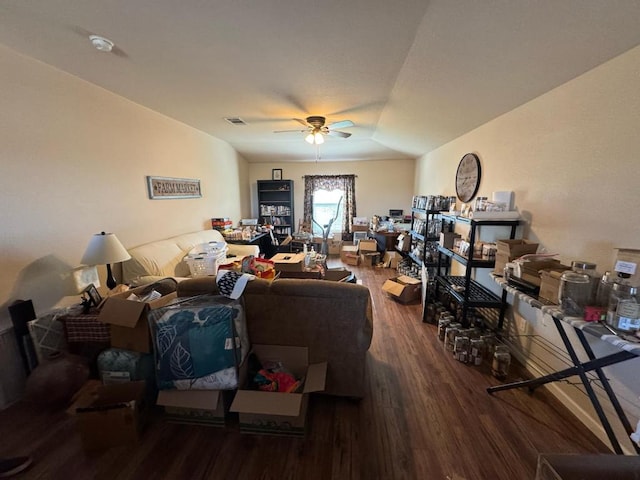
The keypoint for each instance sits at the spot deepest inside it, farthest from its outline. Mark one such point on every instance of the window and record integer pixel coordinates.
(324, 209)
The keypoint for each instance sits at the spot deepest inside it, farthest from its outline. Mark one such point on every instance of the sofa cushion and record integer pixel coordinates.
(157, 258)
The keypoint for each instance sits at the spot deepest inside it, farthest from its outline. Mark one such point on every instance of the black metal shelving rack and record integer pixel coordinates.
(275, 206)
(466, 291)
(428, 217)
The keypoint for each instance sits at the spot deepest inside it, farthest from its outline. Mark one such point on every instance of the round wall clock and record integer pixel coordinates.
(468, 177)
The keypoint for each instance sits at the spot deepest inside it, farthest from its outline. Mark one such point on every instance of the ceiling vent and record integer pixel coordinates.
(235, 121)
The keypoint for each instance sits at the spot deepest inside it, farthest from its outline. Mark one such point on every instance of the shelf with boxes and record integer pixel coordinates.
(425, 228)
(472, 254)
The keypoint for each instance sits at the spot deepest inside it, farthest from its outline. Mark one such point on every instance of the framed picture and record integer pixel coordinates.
(94, 297)
(276, 174)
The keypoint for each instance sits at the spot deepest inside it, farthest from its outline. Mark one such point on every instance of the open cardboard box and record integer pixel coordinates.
(587, 467)
(404, 289)
(199, 407)
(276, 413)
(370, 259)
(128, 319)
(110, 415)
(391, 259)
(367, 245)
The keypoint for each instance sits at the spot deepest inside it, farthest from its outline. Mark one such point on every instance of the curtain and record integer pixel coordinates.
(346, 183)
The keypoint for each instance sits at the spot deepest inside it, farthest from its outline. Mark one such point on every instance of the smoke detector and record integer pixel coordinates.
(101, 43)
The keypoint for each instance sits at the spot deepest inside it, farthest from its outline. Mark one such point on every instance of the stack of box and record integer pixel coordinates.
(368, 250)
(221, 223)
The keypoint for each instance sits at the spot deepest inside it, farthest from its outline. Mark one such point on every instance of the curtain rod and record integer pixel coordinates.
(339, 175)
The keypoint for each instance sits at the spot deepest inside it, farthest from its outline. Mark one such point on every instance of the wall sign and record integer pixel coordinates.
(167, 187)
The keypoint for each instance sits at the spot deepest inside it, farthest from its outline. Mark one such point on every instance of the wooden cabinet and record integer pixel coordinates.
(275, 206)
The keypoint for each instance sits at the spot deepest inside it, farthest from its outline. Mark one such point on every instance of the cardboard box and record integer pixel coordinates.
(338, 275)
(288, 262)
(391, 259)
(626, 266)
(352, 259)
(112, 415)
(370, 259)
(530, 271)
(275, 413)
(447, 239)
(360, 224)
(404, 289)
(587, 467)
(348, 250)
(128, 319)
(501, 261)
(516, 248)
(550, 285)
(199, 407)
(367, 245)
(334, 247)
(403, 242)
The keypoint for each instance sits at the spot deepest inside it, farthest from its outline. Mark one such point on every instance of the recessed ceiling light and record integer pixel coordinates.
(101, 43)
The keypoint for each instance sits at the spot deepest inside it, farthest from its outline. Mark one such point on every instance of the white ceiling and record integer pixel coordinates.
(411, 74)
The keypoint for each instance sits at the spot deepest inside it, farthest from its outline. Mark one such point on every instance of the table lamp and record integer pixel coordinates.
(105, 249)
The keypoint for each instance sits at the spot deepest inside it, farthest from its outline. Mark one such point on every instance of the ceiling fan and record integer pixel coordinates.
(316, 129)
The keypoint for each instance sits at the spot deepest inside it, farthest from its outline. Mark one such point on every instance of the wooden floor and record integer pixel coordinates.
(425, 416)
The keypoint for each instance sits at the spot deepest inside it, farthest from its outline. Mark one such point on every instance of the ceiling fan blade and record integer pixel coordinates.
(288, 131)
(341, 124)
(303, 122)
(337, 133)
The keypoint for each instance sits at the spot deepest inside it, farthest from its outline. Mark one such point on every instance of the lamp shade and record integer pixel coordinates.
(103, 249)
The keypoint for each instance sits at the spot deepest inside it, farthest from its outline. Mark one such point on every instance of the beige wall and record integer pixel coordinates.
(381, 185)
(571, 157)
(74, 159)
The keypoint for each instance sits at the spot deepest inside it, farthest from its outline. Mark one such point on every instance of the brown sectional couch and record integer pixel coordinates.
(333, 319)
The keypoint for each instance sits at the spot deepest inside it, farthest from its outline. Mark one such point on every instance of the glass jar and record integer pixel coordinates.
(443, 323)
(476, 351)
(623, 312)
(461, 348)
(604, 290)
(489, 340)
(589, 269)
(450, 336)
(574, 293)
(501, 362)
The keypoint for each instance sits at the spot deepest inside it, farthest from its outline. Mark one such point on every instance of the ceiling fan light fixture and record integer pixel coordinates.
(314, 138)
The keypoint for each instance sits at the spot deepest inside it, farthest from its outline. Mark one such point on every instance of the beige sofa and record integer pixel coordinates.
(165, 258)
(333, 319)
